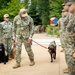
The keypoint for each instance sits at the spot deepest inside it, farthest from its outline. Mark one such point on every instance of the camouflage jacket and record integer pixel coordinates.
(6, 29)
(24, 27)
(70, 30)
(70, 33)
(66, 20)
(60, 24)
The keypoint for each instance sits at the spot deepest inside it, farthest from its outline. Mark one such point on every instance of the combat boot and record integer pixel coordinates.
(9, 58)
(32, 63)
(17, 65)
(62, 50)
(65, 70)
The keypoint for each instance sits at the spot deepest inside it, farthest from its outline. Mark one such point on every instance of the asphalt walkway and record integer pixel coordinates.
(42, 66)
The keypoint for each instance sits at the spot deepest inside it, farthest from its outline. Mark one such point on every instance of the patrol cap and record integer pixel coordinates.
(63, 10)
(22, 11)
(70, 2)
(6, 15)
(65, 2)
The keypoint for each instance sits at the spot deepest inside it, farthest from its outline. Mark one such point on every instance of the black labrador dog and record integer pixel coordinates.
(3, 57)
(52, 50)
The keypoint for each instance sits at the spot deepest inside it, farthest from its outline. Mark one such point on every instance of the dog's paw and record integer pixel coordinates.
(51, 61)
(4, 62)
(54, 57)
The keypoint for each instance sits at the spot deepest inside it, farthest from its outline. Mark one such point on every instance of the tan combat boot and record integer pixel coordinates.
(17, 65)
(62, 50)
(31, 63)
(9, 58)
(65, 70)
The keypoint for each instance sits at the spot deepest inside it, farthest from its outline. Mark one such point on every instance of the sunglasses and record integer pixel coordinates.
(7, 17)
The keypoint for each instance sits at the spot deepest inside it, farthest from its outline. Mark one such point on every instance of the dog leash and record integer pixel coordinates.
(39, 44)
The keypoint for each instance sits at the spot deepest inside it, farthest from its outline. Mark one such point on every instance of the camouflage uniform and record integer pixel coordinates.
(70, 41)
(60, 26)
(23, 29)
(6, 35)
(66, 20)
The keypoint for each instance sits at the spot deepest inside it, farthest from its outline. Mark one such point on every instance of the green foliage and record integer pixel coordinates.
(55, 8)
(43, 10)
(26, 3)
(33, 13)
(52, 30)
(3, 3)
(40, 10)
(12, 9)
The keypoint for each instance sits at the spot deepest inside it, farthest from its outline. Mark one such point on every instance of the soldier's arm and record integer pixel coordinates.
(0, 30)
(14, 27)
(70, 28)
(58, 24)
(31, 27)
(12, 30)
(71, 51)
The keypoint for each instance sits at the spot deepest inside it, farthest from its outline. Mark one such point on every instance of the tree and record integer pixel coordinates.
(26, 3)
(43, 10)
(12, 9)
(3, 3)
(33, 12)
(55, 8)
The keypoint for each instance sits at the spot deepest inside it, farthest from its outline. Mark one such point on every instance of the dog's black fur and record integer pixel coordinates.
(52, 50)
(3, 57)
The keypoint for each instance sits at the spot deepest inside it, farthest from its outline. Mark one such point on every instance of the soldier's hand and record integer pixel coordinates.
(29, 40)
(14, 43)
(14, 40)
(73, 55)
(0, 39)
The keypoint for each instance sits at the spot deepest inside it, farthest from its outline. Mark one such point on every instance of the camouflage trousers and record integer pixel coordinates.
(69, 59)
(19, 41)
(71, 64)
(8, 45)
(62, 40)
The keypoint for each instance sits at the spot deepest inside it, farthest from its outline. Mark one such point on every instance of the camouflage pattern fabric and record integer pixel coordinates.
(70, 44)
(6, 35)
(23, 29)
(61, 26)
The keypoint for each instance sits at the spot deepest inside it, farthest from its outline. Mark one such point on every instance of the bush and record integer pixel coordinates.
(52, 30)
(12, 9)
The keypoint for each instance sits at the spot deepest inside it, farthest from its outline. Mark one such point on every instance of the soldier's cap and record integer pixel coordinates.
(22, 11)
(64, 2)
(70, 2)
(6, 15)
(63, 10)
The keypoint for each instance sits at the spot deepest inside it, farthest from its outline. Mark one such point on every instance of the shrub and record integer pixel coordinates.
(52, 30)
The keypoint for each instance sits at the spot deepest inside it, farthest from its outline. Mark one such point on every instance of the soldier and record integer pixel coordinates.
(23, 31)
(70, 38)
(60, 26)
(6, 34)
(65, 22)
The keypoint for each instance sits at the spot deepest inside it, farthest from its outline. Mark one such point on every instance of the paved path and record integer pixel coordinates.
(45, 39)
(43, 65)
